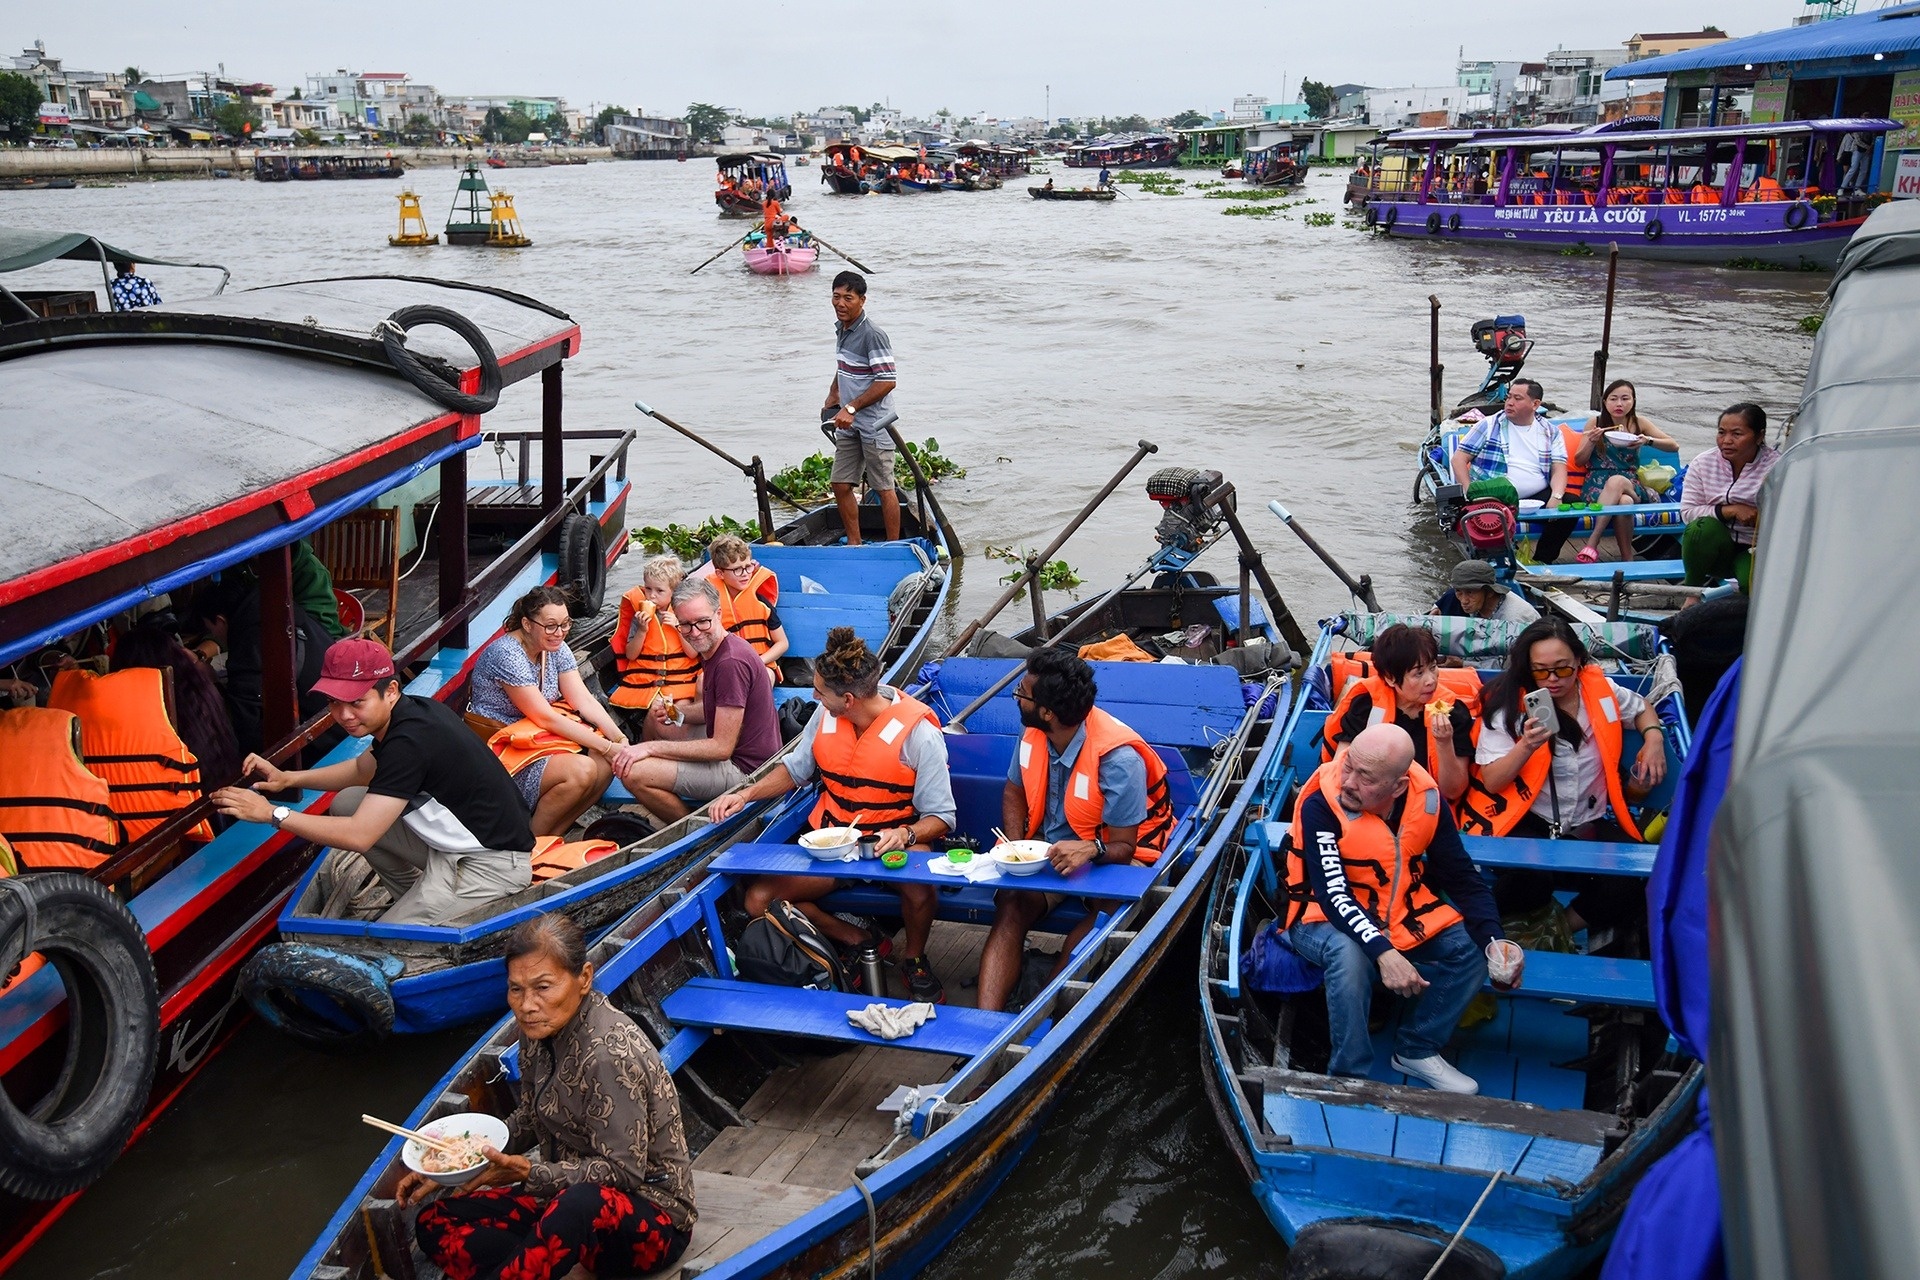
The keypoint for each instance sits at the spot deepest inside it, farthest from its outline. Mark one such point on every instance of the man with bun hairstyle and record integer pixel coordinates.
(433, 811)
(1082, 781)
(880, 757)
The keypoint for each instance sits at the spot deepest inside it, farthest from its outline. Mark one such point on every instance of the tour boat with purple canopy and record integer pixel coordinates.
(1762, 193)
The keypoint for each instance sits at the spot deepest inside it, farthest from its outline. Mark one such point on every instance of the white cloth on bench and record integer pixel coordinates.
(890, 1022)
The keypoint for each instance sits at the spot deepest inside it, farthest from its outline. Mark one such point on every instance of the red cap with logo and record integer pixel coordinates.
(352, 667)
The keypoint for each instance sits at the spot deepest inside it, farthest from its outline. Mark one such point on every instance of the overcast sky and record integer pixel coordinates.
(991, 56)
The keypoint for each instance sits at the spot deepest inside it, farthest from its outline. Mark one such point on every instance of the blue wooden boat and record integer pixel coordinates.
(796, 1171)
(330, 980)
(1581, 1088)
(204, 455)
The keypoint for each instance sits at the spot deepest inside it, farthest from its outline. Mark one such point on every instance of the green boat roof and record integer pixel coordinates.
(20, 249)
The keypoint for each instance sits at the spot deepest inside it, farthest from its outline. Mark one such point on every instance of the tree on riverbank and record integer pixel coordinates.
(19, 104)
(1188, 119)
(1318, 97)
(705, 121)
(511, 127)
(236, 119)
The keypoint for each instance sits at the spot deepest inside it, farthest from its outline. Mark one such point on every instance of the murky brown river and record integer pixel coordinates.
(1037, 342)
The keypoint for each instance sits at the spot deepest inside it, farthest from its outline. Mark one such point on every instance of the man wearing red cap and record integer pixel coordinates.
(428, 805)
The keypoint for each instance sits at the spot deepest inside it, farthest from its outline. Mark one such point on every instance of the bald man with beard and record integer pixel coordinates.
(1374, 849)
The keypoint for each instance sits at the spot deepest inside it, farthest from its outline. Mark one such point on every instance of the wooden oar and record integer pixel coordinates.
(1362, 588)
(716, 257)
(441, 1145)
(855, 261)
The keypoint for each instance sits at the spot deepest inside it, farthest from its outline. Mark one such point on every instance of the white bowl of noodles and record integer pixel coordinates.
(469, 1131)
(831, 844)
(1021, 857)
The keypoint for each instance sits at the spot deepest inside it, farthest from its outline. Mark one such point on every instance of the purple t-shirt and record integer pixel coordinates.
(735, 677)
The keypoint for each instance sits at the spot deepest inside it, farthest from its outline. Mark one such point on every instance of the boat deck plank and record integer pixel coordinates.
(735, 1211)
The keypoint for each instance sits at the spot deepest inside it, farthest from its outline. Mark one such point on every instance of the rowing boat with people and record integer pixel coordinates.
(339, 977)
(820, 1147)
(204, 461)
(1579, 1088)
(1071, 193)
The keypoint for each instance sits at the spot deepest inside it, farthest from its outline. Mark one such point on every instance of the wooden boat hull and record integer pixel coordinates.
(1070, 193)
(781, 262)
(844, 182)
(1767, 232)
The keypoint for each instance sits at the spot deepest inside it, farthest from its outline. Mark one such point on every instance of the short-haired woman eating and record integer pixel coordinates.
(605, 1180)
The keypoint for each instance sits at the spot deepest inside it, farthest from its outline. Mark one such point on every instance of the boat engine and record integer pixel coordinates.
(1184, 495)
(1504, 342)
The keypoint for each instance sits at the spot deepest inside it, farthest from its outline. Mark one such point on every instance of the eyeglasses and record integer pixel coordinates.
(1558, 671)
(745, 566)
(695, 624)
(556, 628)
(1022, 697)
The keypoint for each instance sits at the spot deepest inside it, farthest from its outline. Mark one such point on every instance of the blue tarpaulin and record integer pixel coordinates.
(1671, 1229)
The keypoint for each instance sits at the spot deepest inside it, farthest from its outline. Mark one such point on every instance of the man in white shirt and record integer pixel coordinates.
(1523, 449)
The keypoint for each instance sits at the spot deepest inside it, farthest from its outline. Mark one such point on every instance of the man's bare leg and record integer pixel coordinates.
(1015, 912)
(890, 513)
(849, 504)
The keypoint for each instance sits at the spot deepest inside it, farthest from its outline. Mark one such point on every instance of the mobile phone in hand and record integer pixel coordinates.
(1540, 707)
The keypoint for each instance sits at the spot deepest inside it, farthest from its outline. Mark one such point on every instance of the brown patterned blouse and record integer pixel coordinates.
(599, 1101)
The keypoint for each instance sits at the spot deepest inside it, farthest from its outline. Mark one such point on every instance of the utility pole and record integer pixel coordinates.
(1048, 117)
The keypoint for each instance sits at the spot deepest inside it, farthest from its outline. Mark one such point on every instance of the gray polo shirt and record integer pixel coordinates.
(865, 356)
(924, 751)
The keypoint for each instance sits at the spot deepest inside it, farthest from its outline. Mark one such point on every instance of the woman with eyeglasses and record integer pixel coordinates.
(1532, 781)
(549, 731)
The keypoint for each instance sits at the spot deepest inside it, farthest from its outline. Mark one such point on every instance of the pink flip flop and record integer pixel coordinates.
(1588, 555)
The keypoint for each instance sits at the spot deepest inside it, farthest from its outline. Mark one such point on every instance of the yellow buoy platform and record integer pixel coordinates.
(413, 225)
(504, 232)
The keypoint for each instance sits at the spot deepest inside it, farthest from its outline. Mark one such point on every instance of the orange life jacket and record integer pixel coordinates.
(861, 774)
(1374, 860)
(52, 810)
(522, 742)
(665, 664)
(127, 739)
(1572, 437)
(1489, 813)
(1083, 804)
(9, 866)
(1458, 684)
(553, 857)
(746, 612)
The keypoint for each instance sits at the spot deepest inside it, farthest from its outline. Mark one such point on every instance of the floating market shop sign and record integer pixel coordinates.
(54, 113)
(1905, 107)
(1769, 102)
(1906, 176)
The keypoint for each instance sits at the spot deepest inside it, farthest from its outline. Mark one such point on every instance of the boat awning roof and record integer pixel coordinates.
(1646, 138)
(1888, 31)
(1813, 868)
(22, 248)
(176, 454)
(750, 157)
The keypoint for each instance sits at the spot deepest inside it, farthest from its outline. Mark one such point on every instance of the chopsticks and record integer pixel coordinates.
(1000, 836)
(441, 1145)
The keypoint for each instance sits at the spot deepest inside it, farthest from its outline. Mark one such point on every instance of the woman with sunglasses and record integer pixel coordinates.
(549, 731)
(1559, 785)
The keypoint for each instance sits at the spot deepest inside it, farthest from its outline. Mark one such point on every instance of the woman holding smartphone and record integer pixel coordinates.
(1551, 729)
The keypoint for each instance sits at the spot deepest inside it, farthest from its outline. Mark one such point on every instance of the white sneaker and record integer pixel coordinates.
(1437, 1072)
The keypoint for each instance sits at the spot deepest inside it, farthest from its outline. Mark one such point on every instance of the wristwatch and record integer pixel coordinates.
(280, 813)
(1100, 848)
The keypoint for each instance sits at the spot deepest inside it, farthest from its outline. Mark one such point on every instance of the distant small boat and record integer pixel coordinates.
(790, 261)
(1070, 193)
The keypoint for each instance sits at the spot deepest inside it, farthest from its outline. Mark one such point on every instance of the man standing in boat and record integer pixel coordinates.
(1105, 179)
(861, 392)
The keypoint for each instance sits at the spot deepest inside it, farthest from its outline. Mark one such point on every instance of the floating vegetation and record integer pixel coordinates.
(690, 544)
(1580, 250)
(1319, 219)
(1255, 193)
(1755, 264)
(811, 479)
(1812, 323)
(1055, 575)
(1249, 210)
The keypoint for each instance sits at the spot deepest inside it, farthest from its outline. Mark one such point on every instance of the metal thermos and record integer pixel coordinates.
(872, 971)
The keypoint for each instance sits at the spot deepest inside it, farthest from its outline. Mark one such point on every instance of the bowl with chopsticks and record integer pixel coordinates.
(831, 844)
(454, 1158)
(1021, 857)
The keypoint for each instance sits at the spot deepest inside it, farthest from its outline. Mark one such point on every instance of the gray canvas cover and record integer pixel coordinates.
(1815, 1054)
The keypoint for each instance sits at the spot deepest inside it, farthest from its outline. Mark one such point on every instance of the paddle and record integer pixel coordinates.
(855, 261)
(1361, 588)
(716, 257)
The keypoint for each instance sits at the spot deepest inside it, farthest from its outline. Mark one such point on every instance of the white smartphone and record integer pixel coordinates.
(1540, 707)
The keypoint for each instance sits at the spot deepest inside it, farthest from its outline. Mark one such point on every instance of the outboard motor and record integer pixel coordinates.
(1504, 342)
(1183, 492)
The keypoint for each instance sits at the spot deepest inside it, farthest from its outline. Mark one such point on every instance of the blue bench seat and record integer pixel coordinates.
(822, 1015)
(1554, 975)
(1169, 706)
(1590, 857)
(1631, 570)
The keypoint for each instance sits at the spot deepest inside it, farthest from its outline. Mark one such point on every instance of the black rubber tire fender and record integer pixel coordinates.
(583, 565)
(1797, 214)
(1372, 215)
(1453, 222)
(1391, 216)
(81, 1125)
(1433, 224)
(392, 333)
(279, 977)
(1655, 229)
(1362, 1249)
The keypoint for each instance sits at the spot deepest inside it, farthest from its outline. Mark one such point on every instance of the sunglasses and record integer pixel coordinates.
(1559, 671)
(696, 624)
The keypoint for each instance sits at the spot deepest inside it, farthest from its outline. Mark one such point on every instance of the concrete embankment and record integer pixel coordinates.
(200, 162)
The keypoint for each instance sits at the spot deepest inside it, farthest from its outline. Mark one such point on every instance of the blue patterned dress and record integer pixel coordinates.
(502, 664)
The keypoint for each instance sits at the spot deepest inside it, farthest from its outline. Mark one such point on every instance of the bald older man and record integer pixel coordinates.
(1374, 848)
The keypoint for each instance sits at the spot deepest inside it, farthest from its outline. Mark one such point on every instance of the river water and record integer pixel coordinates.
(1036, 342)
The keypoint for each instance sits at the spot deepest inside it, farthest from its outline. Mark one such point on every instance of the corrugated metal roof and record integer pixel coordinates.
(1892, 30)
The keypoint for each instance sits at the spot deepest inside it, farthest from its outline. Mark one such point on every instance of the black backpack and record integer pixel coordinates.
(784, 949)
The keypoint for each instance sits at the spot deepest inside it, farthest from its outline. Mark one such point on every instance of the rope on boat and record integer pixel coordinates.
(873, 1230)
(1472, 1213)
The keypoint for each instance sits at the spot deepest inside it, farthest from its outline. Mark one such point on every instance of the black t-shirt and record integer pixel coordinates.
(428, 750)
(1460, 718)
